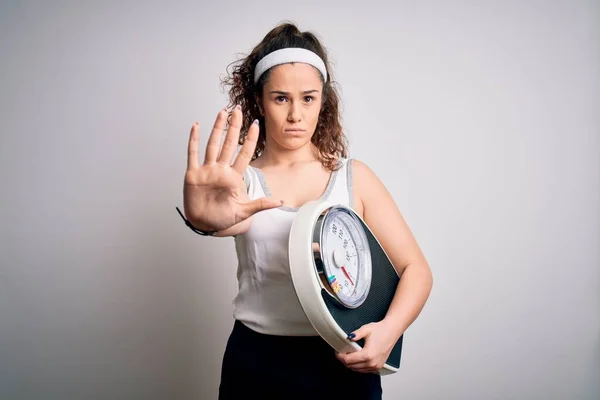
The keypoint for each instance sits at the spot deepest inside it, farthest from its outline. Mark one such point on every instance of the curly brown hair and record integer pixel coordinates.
(328, 138)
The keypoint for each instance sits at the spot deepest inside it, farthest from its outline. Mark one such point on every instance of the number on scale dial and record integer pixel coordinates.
(348, 261)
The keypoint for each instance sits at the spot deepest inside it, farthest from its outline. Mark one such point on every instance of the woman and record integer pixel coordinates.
(292, 151)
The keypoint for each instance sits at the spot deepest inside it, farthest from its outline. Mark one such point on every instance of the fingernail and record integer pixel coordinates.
(255, 122)
(238, 107)
(351, 336)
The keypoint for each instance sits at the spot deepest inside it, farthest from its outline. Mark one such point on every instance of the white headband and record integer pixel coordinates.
(288, 55)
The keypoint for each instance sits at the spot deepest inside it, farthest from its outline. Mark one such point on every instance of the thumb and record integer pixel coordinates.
(360, 333)
(261, 204)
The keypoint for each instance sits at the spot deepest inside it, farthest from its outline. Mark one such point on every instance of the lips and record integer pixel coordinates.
(294, 130)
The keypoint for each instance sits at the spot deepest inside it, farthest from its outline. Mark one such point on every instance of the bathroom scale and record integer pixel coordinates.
(342, 276)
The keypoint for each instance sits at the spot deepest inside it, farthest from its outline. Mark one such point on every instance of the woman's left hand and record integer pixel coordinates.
(379, 342)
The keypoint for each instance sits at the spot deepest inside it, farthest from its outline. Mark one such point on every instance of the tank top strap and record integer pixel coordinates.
(342, 188)
(253, 183)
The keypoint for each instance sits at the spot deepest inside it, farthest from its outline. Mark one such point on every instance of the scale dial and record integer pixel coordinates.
(345, 256)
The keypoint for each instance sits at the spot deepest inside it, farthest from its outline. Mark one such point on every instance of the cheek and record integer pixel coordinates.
(314, 114)
(275, 115)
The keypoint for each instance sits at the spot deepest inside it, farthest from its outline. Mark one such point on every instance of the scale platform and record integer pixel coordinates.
(342, 276)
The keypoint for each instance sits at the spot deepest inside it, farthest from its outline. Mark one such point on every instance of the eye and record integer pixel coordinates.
(280, 99)
(309, 99)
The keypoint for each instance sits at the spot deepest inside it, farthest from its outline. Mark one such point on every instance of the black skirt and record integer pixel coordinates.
(262, 366)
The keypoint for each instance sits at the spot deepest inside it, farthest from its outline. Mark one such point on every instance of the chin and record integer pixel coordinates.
(293, 142)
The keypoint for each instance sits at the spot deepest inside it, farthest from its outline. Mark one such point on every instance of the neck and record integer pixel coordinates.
(275, 156)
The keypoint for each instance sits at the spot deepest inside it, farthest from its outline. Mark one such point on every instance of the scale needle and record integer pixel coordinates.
(347, 276)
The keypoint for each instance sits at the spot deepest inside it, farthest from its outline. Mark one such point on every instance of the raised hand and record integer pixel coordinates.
(214, 193)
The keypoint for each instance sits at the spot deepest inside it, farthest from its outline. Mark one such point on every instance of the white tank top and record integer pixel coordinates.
(266, 301)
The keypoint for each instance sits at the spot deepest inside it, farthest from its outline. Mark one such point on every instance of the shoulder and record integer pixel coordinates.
(370, 190)
(365, 180)
(381, 213)
(359, 166)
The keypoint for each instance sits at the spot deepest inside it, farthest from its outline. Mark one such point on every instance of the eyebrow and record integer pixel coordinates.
(288, 93)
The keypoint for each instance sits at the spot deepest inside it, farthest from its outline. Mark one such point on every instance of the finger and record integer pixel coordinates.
(247, 151)
(192, 162)
(360, 333)
(232, 138)
(364, 368)
(261, 204)
(316, 248)
(354, 357)
(214, 140)
(360, 355)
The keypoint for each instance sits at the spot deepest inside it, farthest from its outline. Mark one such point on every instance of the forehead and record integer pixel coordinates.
(300, 75)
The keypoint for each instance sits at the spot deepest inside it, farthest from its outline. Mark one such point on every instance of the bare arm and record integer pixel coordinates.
(383, 217)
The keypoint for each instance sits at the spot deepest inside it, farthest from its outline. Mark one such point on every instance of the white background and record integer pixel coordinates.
(481, 117)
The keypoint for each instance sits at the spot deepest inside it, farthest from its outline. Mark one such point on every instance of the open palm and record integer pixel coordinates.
(214, 192)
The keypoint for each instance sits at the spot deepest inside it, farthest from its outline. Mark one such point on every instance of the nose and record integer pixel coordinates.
(294, 113)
